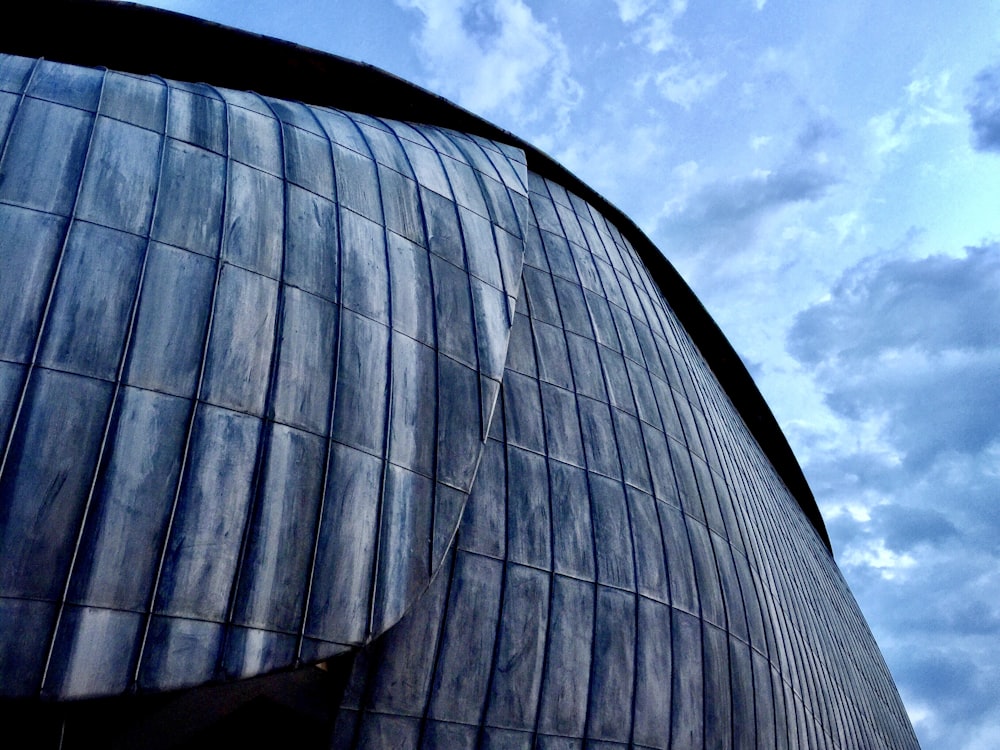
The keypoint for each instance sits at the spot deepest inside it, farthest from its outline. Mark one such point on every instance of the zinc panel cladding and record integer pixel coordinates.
(627, 534)
(237, 369)
(282, 381)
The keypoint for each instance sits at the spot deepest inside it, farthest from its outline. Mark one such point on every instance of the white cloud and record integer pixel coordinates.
(630, 10)
(686, 171)
(655, 21)
(609, 158)
(685, 84)
(494, 57)
(876, 555)
(928, 101)
(847, 225)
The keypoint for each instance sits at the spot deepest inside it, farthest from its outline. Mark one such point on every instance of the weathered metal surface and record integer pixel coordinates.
(249, 354)
(630, 571)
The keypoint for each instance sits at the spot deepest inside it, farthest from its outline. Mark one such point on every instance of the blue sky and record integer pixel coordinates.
(825, 176)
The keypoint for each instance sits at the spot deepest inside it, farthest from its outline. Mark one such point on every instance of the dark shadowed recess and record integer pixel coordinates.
(286, 709)
(136, 39)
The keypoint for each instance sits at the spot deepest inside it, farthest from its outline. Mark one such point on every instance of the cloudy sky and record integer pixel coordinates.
(826, 176)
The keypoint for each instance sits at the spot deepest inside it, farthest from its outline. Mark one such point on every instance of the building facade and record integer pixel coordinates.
(284, 384)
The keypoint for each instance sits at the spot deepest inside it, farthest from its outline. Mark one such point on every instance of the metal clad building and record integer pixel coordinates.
(285, 384)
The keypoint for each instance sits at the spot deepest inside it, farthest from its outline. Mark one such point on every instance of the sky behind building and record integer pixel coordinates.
(826, 177)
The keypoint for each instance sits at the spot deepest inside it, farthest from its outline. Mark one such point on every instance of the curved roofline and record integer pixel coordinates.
(142, 40)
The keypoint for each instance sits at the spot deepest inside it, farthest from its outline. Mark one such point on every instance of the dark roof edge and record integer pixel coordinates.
(138, 39)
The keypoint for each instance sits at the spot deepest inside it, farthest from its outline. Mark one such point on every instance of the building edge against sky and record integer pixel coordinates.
(633, 534)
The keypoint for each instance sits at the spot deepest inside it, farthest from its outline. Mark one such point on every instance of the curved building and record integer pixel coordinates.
(338, 374)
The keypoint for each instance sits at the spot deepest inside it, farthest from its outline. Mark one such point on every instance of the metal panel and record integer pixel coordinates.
(307, 160)
(15, 72)
(22, 652)
(403, 686)
(88, 321)
(197, 116)
(599, 438)
(456, 334)
(312, 250)
(83, 665)
(136, 100)
(404, 545)
(45, 179)
(169, 334)
(519, 661)
(344, 564)
(11, 378)
(46, 480)
(254, 137)
(562, 425)
(612, 540)
(241, 341)
(29, 248)
(362, 383)
(687, 702)
(612, 678)
(254, 220)
(179, 652)
(484, 525)
(366, 274)
(563, 705)
(553, 357)
(718, 703)
(412, 294)
(628, 433)
(356, 177)
(66, 84)
(128, 517)
(412, 438)
(119, 183)
(457, 429)
(522, 412)
(528, 518)
(573, 536)
(303, 381)
(275, 564)
(586, 367)
(189, 202)
(467, 643)
(400, 199)
(653, 676)
(203, 549)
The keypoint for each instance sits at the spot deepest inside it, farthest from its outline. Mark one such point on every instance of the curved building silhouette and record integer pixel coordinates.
(366, 383)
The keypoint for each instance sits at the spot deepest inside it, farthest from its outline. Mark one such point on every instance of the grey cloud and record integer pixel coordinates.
(958, 686)
(983, 106)
(934, 406)
(724, 204)
(916, 343)
(910, 349)
(937, 624)
(817, 131)
(905, 528)
(481, 23)
(932, 304)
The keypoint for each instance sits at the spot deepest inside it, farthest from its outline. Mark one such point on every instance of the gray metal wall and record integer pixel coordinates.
(249, 355)
(630, 570)
(254, 366)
